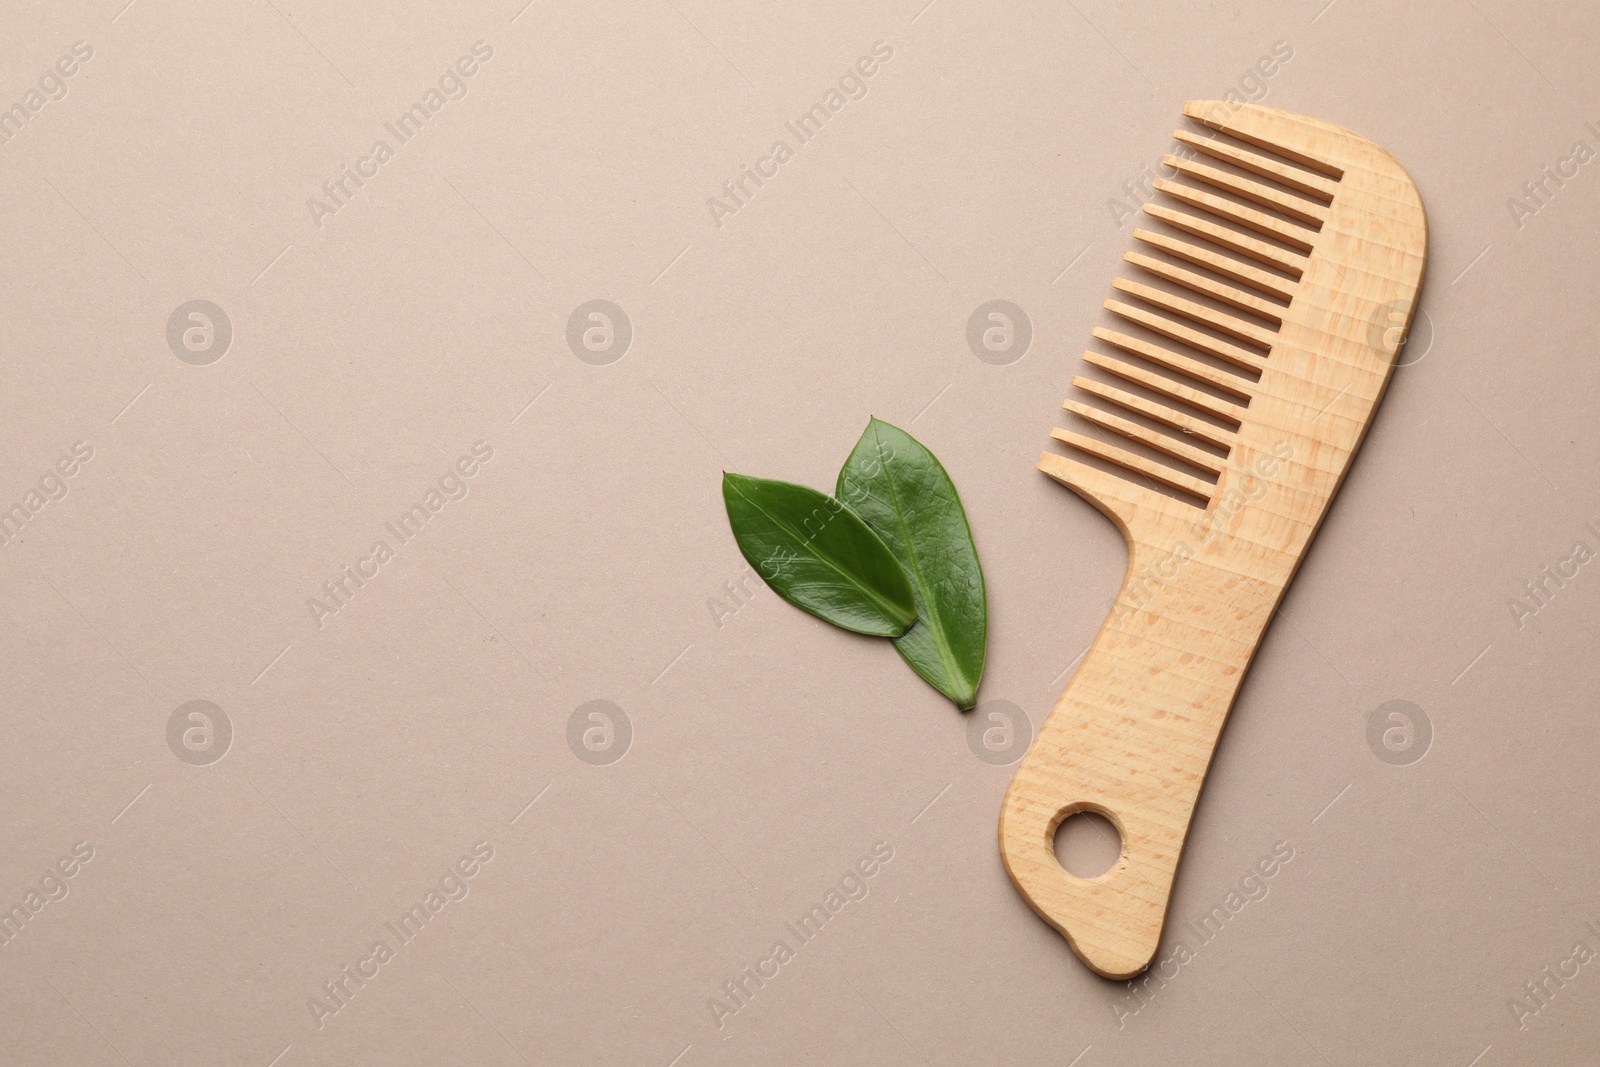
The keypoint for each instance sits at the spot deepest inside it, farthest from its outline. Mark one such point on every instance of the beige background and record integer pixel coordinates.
(771, 752)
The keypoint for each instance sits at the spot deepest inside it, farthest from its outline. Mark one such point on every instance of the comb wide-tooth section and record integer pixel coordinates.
(1205, 316)
(1227, 266)
(1195, 457)
(1311, 184)
(1290, 233)
(1296, 207)
(1199, 283)
(1156, 472)
(1279, 132)
(1156, 383)
(1118, 497)
(1166, 357)
(1260, 251)
(1161, 413)
(1266, 327)
(1200, 342)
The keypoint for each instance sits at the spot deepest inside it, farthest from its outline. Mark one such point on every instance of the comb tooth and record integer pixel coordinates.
(1159, 441)
(1110, 493)
(1272, 255)
(1158, 472)
(1222, 409)
(1226, 266)
(1295, 207)
(1202, 372)
(1227, 294)
(1247, 131)
(1290, 233)
(1188, 424)
(1239, 357)
(1293, 177)
(1227, 324)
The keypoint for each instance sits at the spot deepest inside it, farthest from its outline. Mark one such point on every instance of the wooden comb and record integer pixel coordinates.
(1257, 369)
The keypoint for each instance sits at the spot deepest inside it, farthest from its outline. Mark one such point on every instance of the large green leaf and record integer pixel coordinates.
(818, 555)
(903, 492)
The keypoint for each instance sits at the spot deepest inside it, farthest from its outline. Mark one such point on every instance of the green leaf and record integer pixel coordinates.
(903, 492)
(818, 555)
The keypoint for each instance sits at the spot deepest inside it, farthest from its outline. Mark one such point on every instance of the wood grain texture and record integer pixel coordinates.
(1133, 734)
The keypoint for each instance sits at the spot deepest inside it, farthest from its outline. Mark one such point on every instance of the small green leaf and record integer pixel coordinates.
(818, 555)
(903, 492)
